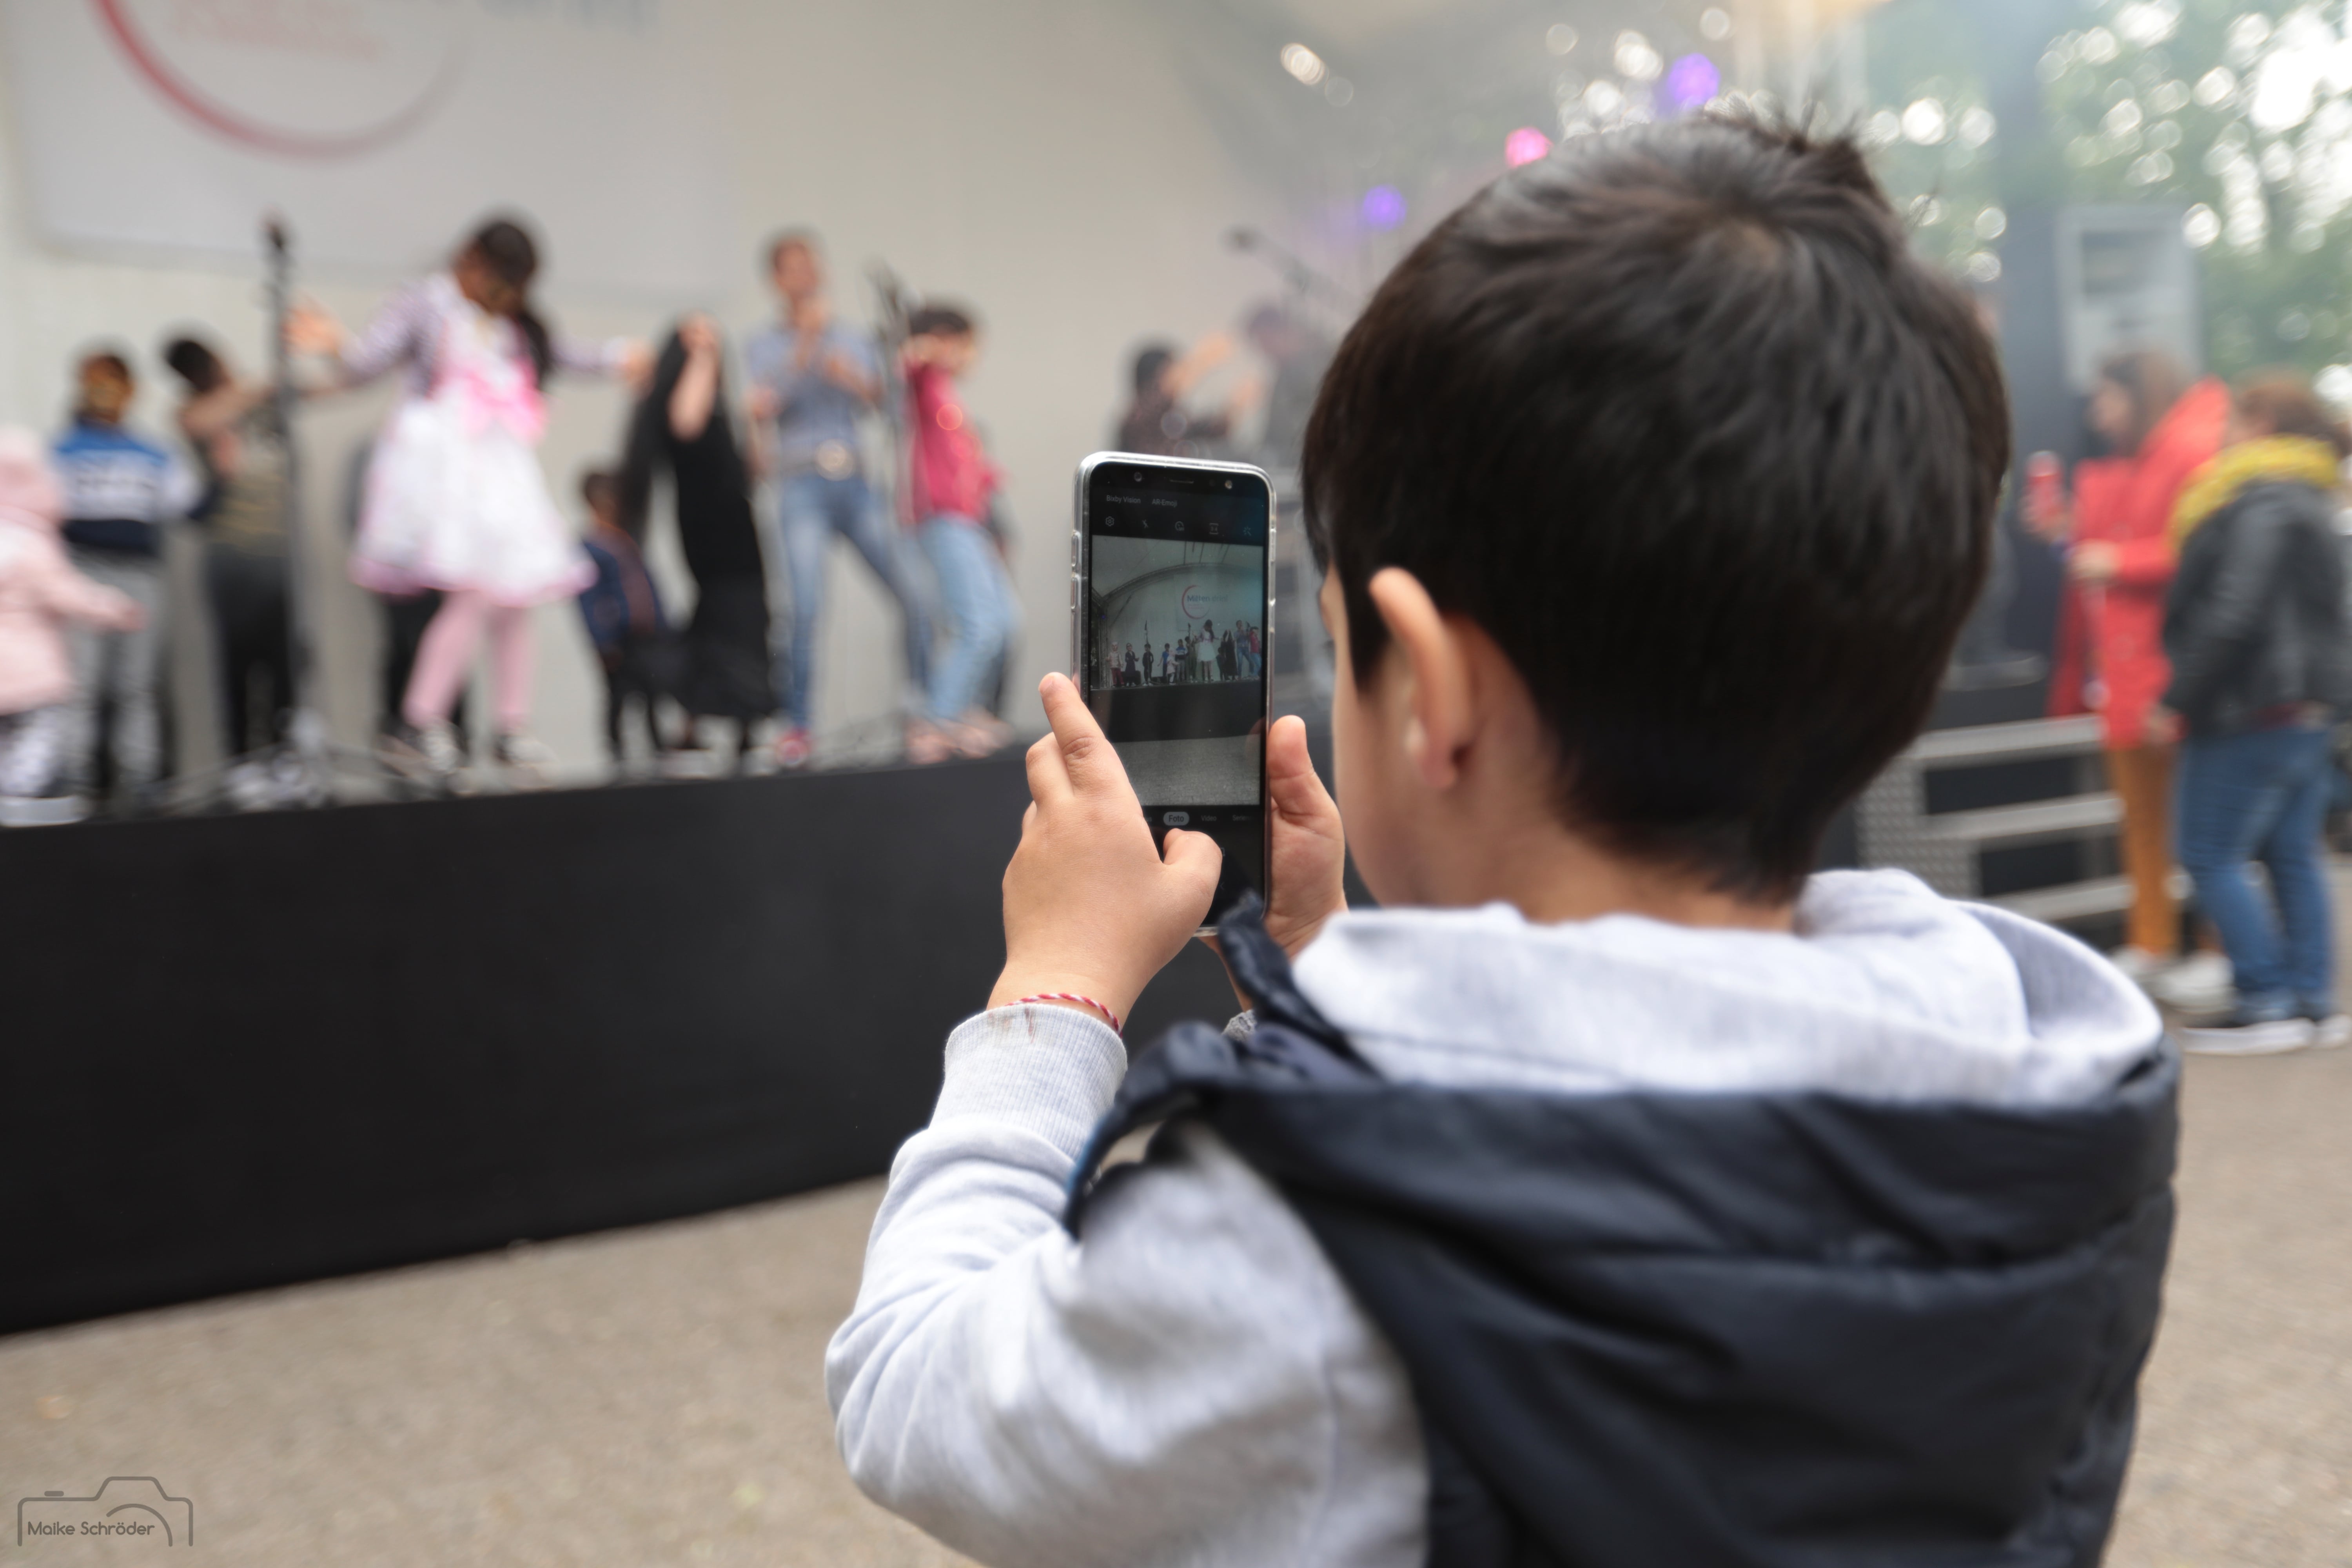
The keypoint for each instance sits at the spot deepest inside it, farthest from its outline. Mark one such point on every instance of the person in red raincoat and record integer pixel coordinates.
(2110, 652)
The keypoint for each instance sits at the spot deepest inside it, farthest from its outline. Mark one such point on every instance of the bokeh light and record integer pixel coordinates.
(1382, 208)
(1691, 82)
(1524, 145)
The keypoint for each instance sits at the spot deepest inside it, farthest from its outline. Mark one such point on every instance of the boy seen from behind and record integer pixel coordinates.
(1618, 1192)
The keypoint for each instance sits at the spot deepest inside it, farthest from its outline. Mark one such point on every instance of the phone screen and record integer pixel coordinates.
(1173, 648)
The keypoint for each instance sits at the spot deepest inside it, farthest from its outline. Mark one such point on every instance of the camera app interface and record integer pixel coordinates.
(1176, 653)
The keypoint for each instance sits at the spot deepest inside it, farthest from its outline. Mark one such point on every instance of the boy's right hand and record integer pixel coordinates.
(1090, 907)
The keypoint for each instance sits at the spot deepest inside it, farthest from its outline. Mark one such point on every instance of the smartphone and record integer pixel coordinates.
(1172, 628)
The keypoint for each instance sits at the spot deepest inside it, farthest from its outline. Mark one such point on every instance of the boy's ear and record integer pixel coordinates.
(1440, 712)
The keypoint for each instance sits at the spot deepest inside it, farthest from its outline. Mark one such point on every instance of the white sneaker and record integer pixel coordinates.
(2235, 1036)
(2138, 965)
(41, 810)
(2201, 983)
(525, 759)
(2331, 1033)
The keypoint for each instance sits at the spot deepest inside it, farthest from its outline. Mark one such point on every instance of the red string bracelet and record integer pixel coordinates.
(1073, 996)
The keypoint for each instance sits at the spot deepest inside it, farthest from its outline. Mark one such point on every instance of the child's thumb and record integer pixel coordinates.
(1195, 860)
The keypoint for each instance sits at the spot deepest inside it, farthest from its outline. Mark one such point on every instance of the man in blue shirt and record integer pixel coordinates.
(120, 489)
(812, 377)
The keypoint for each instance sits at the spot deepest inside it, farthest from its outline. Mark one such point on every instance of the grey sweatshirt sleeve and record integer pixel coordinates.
(1190, 1385)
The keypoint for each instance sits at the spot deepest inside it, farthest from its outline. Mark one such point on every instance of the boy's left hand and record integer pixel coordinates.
(1089, 905)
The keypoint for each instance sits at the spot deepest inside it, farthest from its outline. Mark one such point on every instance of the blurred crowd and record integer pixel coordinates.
(859, 435)
(2204, 623)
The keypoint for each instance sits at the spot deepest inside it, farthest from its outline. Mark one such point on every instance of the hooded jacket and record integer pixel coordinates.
(1608, 1242)
(39, 589)
(2255, 622)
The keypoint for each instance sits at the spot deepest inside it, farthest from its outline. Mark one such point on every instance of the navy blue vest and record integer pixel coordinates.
(1686, 1330)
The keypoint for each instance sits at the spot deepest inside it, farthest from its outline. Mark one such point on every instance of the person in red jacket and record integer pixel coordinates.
(950, 486)
(2110, 654)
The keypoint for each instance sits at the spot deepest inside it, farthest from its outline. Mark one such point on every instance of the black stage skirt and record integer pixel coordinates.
(729, 673)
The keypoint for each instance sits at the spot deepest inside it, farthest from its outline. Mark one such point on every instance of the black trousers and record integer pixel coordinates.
(251, 614)
(404, 621)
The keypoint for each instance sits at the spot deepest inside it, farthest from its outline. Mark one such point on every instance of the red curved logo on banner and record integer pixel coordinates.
(214, 115)
(1190, 613)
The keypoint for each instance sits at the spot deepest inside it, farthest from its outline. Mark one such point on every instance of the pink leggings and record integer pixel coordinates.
(448, 649)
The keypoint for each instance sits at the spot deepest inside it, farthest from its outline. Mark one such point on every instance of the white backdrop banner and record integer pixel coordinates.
(381, 128)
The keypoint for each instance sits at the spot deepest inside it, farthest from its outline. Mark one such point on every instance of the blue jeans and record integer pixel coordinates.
(2261, 796)
(981, 612)
(810, 510)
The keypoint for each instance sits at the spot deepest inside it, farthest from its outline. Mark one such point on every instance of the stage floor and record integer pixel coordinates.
(657, 1395)
(1220, 771)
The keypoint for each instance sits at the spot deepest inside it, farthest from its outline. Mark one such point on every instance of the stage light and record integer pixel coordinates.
(1560, 38)
(1382, 207)
(1303, 63)
(1715, 22)
(1524, 145)
(1925, 123)
(2200, 225)
(1339, 91)
(1691, 82)
(1636, 59)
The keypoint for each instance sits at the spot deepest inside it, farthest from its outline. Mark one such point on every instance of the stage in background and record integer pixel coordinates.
(244, 1051)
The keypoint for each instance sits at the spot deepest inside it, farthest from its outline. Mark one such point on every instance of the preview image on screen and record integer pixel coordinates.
(1177, 663)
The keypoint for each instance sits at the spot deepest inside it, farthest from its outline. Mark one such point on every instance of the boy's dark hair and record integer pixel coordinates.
(598, 489)
(941, 320)
(1675, 416)
(109, 360)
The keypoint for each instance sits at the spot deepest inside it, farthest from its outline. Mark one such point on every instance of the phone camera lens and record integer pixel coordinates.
(1229, 484)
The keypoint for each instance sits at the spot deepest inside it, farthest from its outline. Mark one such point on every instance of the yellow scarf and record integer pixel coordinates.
(2270, 460)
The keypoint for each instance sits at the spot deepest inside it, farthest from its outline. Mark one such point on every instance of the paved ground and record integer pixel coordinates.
(653, 1395)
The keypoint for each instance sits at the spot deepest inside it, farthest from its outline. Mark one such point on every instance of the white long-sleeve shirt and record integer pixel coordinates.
(1193, 1383)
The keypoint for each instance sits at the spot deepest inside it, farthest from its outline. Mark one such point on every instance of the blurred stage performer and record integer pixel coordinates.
(683, 424)
(231, 426)
(812, 377)
(1298, 355)
(1157, 423)
(454, 497)
(2110, 653)
(626, 625)
(39, 593)
(951, 488)
(121, 491)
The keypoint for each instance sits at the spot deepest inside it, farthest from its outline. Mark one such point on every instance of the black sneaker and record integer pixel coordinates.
(2240, 1036)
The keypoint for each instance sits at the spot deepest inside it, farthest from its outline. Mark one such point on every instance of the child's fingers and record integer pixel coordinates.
(1049, 782)
(1195, 860)
(1291, 781)
(1085, 754)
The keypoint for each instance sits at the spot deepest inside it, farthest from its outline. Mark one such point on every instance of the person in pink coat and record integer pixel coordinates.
(39, 593)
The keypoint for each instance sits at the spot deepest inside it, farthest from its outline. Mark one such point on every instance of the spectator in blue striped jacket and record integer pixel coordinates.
(120, 489)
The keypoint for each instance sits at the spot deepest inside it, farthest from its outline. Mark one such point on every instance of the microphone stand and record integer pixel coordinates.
(304, 767)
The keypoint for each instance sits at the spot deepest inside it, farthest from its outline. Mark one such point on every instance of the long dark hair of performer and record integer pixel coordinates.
(683, 424)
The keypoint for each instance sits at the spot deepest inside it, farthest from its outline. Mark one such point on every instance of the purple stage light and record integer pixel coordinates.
(1691, 82)
(1524, 145)
(1383, 206)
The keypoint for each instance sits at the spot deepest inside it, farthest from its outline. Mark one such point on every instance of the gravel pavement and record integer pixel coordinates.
(654, 1395)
